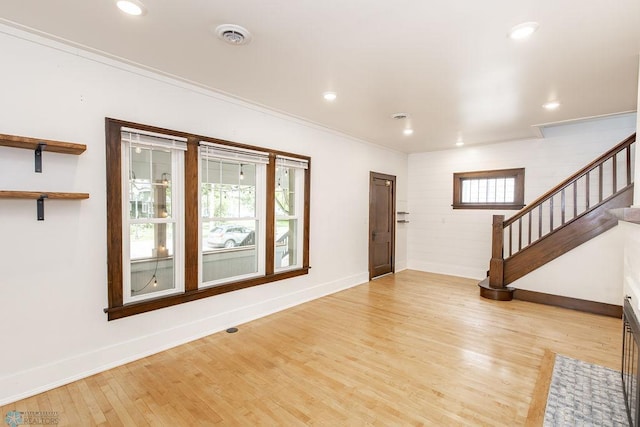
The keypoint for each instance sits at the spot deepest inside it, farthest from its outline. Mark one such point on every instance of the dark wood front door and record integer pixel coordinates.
(382, 207)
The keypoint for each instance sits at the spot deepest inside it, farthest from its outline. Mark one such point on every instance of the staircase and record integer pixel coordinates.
(568, 215)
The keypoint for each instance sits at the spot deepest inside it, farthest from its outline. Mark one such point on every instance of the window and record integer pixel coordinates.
(289, 198)
(232, 194)
(190, 217)
(152, 227)
(497, 189)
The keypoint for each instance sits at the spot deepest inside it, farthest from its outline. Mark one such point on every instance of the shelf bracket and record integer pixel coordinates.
(40, 206)
(39, 149)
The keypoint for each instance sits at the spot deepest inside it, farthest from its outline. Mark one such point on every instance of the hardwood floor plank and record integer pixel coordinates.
(412, 348)
(97, 384)
(68, 412)
(91, 403)
(535, 417)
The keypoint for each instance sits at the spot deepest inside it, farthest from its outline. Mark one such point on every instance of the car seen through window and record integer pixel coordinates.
(230, 236)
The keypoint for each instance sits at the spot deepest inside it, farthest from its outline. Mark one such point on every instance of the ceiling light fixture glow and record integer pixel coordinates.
(408, 131)
(131, 7)
(459, 144)
(551, 105)
(523, 31)
(330, 96)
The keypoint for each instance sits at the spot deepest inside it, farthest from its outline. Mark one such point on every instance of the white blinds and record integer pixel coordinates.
(153, 139)
(291, 162)
(209, 150)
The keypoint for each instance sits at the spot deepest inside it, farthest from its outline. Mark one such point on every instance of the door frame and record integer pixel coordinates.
(392, 219)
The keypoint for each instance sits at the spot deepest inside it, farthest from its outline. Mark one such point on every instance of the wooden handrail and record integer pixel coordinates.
(569, 181)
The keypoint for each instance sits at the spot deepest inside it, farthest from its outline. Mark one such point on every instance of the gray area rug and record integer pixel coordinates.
(582, 394)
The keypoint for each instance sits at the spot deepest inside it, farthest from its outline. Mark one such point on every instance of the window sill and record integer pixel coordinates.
(493, 206)
(170, 300)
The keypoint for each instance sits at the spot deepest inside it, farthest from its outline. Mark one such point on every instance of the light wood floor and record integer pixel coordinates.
(409, 349)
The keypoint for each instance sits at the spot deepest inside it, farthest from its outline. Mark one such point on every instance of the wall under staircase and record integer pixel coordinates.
(571, 278)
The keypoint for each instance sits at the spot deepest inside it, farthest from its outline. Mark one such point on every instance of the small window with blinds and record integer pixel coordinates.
(495, 189)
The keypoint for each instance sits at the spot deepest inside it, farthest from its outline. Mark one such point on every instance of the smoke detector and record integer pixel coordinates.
(399, 116)
(233, 34)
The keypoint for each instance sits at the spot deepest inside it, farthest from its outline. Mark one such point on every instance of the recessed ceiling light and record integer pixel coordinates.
(459, 144)
(329, 96)
(233, 34)
(408, 131)
(551, 105)
(523, 31)
(132, 7)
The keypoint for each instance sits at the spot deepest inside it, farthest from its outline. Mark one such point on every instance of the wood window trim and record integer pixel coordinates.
(116, 308)
(517, 173)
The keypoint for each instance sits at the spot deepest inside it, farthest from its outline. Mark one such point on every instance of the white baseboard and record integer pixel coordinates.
(452, 270)
(401, 265)
(27, 383)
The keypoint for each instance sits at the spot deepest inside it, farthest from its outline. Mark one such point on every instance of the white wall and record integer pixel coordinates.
(593, 271)
(53, 273)
(636, 188)
(632, 240)
(458, 242)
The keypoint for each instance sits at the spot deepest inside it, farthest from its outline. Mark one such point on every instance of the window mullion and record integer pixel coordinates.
(191, 216)
(505, 190)
(270, 246)
(233, 218)
(168, 220)
(306, 215)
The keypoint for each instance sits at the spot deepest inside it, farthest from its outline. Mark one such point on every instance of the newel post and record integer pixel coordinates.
(496, 271)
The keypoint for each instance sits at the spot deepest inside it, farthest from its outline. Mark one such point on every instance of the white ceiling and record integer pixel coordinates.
(448, 63)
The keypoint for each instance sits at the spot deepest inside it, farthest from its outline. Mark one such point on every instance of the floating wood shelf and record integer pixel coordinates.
(47, 144)
(40, 145)
(39, 197)
(4, 194)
